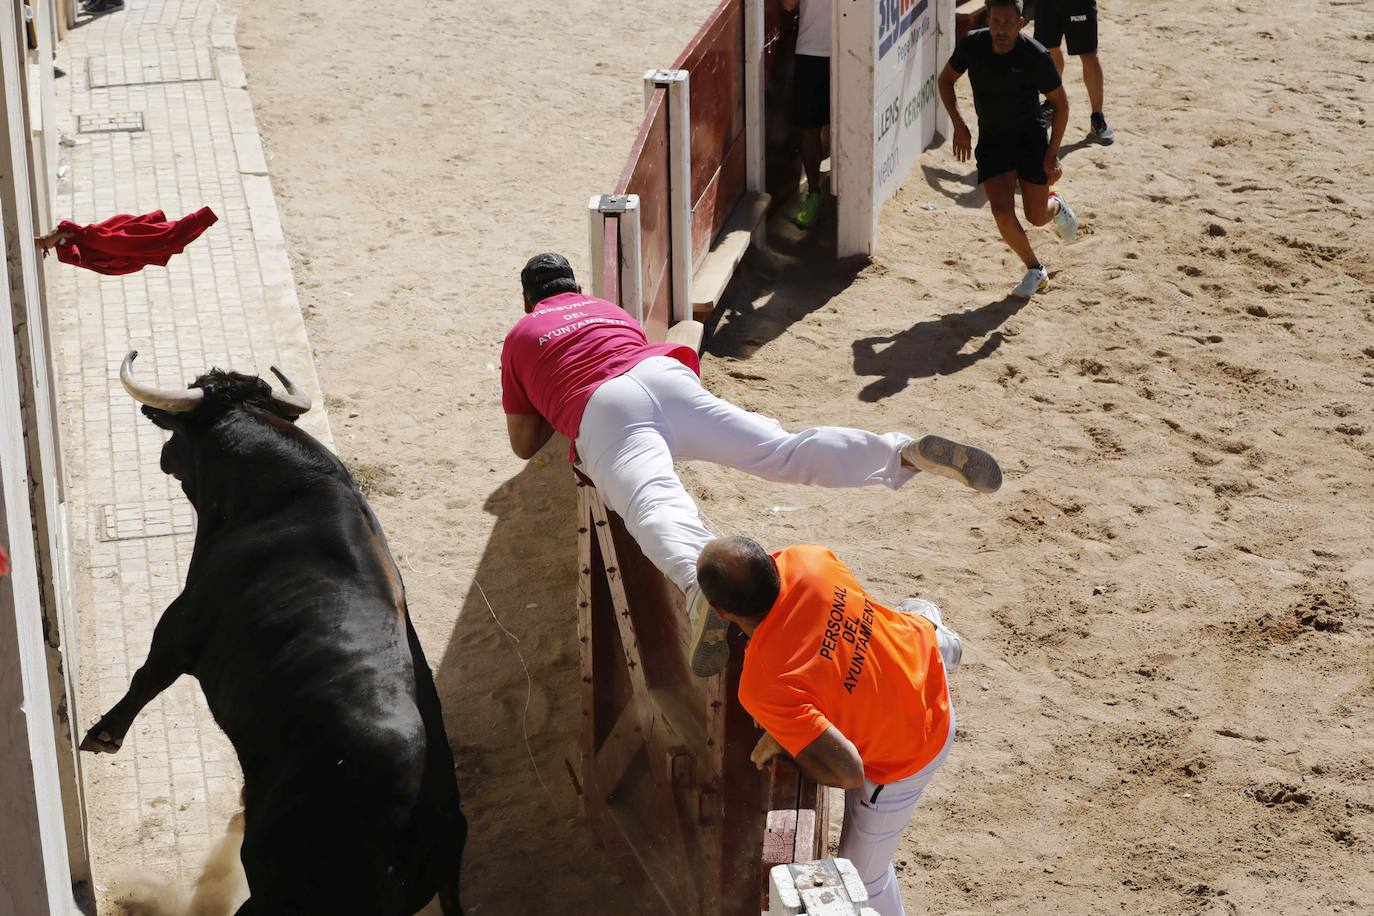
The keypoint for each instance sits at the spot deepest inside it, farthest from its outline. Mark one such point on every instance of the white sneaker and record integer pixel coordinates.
(950, 644)
(710, 650)
(1036, 280)
(1064, 222)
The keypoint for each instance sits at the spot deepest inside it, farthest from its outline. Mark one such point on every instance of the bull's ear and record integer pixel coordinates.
(162, 419)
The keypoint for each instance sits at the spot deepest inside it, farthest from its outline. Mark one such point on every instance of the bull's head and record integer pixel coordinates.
(192, 412)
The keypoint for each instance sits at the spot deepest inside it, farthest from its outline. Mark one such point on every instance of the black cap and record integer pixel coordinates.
(540, 270)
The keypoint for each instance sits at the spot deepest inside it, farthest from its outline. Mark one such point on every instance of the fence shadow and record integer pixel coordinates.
(779, 284)
(509, 674)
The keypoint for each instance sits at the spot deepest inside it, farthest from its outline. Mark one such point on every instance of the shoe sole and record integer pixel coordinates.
(971, 466)
(710, 648)
(1102, 141)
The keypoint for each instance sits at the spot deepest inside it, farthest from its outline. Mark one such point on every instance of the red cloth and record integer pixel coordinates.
(124, 244)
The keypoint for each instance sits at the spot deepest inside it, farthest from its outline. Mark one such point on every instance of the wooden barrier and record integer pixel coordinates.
(646, 175)
(715, 59)
(666, 773)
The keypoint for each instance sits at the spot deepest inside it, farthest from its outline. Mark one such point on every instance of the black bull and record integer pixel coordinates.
(293, 618)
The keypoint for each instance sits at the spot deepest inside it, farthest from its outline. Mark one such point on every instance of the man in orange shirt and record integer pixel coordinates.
(856, 692)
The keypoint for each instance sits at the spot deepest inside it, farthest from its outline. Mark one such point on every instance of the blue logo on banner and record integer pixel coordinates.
(895, 19)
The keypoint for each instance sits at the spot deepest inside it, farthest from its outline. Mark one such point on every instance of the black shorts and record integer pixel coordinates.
(810, 92)
(1074, 21)
(1022, 152)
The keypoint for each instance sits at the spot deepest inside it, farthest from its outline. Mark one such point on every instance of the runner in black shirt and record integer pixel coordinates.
(1074, 23)
(1008, 71)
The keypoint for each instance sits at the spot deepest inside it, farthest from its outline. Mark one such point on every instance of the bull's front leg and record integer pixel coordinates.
(165, 663)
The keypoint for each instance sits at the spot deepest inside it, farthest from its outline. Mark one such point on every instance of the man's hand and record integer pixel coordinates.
(963, 142)
(767, 748)
(1053, 171)
(52, 239)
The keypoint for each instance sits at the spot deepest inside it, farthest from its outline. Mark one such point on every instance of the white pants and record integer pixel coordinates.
(876, 816)
(636, 424)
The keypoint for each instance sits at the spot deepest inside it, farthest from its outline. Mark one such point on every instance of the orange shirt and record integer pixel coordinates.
(828, 654)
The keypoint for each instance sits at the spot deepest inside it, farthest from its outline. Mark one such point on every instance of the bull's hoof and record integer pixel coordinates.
(100, 741)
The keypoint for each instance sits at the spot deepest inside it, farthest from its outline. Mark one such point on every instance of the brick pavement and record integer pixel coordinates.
(154, 113)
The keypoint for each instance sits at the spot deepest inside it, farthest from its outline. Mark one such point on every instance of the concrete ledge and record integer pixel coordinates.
(710, 281)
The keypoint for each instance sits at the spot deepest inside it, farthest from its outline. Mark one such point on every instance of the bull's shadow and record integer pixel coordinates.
(930, 348)
(531, 847)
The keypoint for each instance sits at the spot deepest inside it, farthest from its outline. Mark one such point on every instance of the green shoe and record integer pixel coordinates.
(810, 209)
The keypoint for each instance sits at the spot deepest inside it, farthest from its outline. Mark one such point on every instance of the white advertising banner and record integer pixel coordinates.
(886, 110)
(905, 99)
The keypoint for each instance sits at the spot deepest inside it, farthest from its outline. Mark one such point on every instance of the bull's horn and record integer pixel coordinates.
(294, 402)
(171, 400)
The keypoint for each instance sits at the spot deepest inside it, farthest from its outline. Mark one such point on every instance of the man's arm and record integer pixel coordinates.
(528, 432)
(1060, 100)
(830, 760)
(963, 140)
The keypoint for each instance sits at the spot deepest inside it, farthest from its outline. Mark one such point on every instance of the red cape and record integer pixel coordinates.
(124, 244)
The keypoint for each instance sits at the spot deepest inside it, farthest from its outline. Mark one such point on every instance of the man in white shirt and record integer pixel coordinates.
(811, 97)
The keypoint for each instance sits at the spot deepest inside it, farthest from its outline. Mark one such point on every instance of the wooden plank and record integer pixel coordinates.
(629, 639)
(718, 267)
(630, 765)
(715, 59)
(723, 193)
(646, 174)
(610, 266)
(687, 333)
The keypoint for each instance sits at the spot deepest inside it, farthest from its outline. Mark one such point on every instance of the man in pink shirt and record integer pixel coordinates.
(583, 367)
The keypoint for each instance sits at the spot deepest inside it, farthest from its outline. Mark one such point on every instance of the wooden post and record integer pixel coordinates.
(35, 872)
(44, 20)
(852, 134)
(675, 83)
(26, 324)
(754, 80)
(624, 209)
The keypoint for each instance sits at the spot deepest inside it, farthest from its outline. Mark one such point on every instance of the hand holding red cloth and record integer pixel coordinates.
(124, 244)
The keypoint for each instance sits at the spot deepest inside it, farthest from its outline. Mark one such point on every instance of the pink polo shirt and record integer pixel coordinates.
(558, 354)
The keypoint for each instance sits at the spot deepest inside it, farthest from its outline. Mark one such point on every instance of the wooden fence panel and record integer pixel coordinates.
(646, 174)
(715, 58)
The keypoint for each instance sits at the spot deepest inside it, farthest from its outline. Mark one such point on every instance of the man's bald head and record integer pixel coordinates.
(738, 576)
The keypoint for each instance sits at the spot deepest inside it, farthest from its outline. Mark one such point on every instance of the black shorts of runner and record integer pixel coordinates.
(810, 92)
(1073, 21)
(1022, 152)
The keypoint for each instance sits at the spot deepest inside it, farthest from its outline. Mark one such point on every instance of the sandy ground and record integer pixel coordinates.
(1167, 695)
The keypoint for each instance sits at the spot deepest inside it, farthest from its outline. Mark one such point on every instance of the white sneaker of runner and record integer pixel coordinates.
(1036, 280)
(1064, 222)
(950, 644)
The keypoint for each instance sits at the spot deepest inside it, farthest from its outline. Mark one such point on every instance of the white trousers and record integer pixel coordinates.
(876, 816)
(636, 424)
